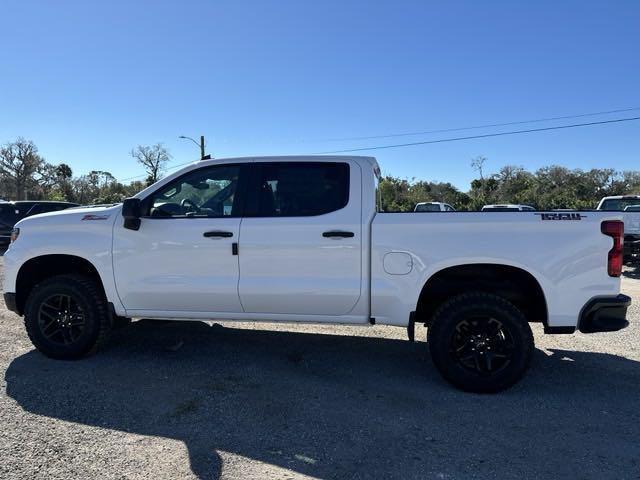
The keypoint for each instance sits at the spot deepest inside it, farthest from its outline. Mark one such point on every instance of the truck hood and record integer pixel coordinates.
(73, 216)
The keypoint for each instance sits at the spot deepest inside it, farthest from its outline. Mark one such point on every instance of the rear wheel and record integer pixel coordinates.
(480, 342)
(66, 317)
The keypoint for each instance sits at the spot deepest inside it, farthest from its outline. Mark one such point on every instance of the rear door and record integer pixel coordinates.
(301, 239)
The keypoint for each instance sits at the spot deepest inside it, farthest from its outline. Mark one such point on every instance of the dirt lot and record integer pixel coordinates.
(257, 401)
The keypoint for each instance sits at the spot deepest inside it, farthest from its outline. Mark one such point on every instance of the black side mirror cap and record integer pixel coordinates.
(131, 211)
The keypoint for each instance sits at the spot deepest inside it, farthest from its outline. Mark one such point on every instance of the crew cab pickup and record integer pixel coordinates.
(302, 239)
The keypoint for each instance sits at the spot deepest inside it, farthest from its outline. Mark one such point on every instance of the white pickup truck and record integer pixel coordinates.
(629, 205)
(302, 239)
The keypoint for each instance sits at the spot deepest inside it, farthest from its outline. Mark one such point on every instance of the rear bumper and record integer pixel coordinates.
(10, 302)
(604, 314)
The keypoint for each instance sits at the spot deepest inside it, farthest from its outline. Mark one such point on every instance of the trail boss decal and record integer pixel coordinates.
(560, 216)
(95, 217)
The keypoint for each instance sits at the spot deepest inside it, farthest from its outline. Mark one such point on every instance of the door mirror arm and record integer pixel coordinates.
(131, 212)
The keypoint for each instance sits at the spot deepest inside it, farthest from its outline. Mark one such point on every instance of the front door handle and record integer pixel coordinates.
(218, 234)
(337, 234)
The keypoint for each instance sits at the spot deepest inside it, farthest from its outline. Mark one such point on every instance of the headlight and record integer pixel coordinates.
(15, 233)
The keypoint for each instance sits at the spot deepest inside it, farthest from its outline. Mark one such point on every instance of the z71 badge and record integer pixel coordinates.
(561, 216)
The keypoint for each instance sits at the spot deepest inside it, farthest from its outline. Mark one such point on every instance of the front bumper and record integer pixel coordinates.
(604, 314)
(10, 302)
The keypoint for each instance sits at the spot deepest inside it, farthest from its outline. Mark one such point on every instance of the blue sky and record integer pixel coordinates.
(87, 81)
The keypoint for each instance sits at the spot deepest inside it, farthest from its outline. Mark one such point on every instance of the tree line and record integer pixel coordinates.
(545, 189)
(25, 174)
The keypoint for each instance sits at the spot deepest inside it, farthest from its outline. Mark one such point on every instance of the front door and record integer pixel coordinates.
(183, 258)
(301, 239)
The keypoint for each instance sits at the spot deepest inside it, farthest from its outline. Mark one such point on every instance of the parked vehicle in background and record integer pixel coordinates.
(508, 208)
(629, 205)
(12, 212)
(433, 207)
(303, 239)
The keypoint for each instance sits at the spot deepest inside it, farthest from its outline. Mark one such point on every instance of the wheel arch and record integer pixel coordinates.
(39, 268)
(513, 283)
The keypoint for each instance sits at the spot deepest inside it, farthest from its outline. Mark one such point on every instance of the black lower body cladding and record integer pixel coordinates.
(604, 314)
(10, 302)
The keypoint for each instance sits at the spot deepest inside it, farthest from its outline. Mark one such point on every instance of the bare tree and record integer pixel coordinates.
(478, 164)
(19, 162)
(153, 158)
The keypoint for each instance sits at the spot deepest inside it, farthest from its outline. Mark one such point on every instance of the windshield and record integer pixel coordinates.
(619, 204)
(428, 207)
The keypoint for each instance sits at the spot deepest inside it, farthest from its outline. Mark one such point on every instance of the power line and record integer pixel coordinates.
(455, 139)
(361, 149)
(475, 127)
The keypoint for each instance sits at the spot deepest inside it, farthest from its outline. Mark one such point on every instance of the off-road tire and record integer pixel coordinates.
(88, 298)
(444, 339)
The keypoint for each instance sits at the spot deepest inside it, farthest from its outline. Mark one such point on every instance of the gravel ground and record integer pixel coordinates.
(235, 401)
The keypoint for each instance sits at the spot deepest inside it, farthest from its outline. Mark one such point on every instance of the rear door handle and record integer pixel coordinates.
(337, 234)
(218, 234)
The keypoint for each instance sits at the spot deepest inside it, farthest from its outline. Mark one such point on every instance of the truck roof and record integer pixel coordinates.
(370, 161)
(620, 197)
(506, 205)
(293, 158)
(48, 202)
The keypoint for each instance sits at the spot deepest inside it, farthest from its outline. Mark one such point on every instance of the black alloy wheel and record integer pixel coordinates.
(61, 319)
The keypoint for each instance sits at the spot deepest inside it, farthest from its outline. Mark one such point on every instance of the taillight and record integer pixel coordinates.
(15, 233)
(615, 230)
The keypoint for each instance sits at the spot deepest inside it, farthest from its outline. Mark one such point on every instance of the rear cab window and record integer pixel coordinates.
(619, 204)
(428, 207)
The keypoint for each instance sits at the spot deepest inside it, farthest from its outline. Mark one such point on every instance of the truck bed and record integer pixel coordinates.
(564, 251)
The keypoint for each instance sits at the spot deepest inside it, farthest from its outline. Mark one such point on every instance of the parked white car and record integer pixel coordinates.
(433, 207)
(508, 207)
(629, 205)
(302, 239)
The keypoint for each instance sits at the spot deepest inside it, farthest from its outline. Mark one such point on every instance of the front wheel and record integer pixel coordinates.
(66, 317)
(480, 342)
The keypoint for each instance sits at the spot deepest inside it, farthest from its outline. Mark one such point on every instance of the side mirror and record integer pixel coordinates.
(131, 213)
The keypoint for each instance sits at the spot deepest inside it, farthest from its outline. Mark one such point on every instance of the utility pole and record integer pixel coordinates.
(201, 145)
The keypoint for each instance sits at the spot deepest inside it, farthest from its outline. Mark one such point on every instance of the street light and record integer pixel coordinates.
(201, 145)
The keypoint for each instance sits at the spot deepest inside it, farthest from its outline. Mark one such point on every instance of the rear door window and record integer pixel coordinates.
(298, 189)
